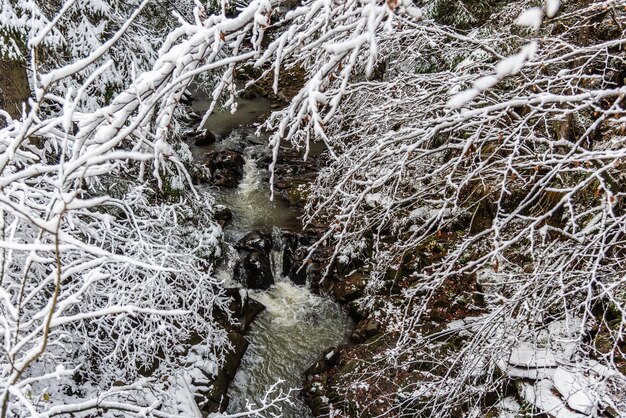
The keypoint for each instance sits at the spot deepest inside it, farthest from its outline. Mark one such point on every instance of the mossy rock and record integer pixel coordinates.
(350, 288)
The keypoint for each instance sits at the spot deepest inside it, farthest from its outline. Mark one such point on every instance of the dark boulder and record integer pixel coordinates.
(328, 359)
(290, 244)
(350, 288)
(203, 137)
(226, 168)
(296, 265)
(254, 308)
(222, 215)
(255, 241)
(316, 389)
(216, 398)
(365, 330)
(256, 271)
(211, 390)
(243, 308)
(186, 99)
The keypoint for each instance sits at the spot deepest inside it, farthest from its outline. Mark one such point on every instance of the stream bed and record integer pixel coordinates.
(296, 325)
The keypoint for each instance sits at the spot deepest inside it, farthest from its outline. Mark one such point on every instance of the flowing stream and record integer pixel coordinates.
(297, 325)
(287, 337)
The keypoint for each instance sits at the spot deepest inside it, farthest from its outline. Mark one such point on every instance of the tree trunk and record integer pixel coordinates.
(14, 88)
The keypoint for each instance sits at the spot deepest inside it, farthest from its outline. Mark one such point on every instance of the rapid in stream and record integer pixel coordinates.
(285, 339)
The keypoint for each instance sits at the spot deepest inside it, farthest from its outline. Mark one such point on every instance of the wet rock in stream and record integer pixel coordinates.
(255, 241)
(202, 137)
(294, 254)
(215, 399)
(255, 269)
(222, 215)
(324, 362)
(226, 167)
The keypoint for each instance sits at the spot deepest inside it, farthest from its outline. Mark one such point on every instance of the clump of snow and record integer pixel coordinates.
(414, 12)
(461, 99)
(378, 199)
(552, 7)
(485, 82)
(513, 64)
(531, 18)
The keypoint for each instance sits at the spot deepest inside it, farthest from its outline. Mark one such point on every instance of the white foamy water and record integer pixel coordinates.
(284, 340)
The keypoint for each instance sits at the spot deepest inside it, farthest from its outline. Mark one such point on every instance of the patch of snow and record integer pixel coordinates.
(525, 372)
(414, 12)
(576, 389)
(376, 199)
(528, 355)
(508, 407)
(541, 395)
(467, 61)
(600, 369)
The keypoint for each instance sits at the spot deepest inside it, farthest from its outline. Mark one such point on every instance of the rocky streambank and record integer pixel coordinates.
(328, 381)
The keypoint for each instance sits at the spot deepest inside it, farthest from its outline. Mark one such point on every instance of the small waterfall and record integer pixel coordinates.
(251, 181)
(277, 255)
(249, 202)
(284, 340)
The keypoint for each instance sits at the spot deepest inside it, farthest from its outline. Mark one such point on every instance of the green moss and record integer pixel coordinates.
(463, 14)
